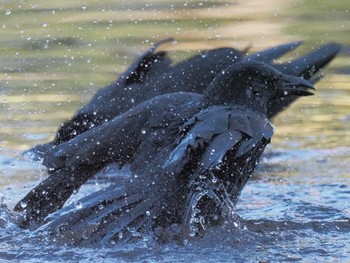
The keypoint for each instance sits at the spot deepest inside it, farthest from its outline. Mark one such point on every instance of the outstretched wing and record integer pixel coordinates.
(270, 54)
(104, 105)
(116, 213)
(109, 101)
(220, 140)
(113, 214)
(72, 163)
(214, 131)
(226, 143)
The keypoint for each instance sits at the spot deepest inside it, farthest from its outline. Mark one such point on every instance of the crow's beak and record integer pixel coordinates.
(295, 86)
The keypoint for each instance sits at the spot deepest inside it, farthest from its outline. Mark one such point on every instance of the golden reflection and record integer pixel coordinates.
(55, 55)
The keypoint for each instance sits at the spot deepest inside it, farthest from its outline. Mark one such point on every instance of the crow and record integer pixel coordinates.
(150, 75)
(190, 156)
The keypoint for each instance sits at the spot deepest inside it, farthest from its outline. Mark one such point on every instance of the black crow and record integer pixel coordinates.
(150, 75)
(190, 156)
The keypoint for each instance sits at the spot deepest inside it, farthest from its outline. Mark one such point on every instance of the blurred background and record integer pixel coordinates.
(55, 54)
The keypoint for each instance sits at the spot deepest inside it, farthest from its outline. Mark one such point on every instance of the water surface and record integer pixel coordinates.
(54, 56)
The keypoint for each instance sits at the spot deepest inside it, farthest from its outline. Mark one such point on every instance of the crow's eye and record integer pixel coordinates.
(254, 90)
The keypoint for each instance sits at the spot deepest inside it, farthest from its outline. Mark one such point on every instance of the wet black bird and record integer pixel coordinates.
(150, 75)
(190, 156)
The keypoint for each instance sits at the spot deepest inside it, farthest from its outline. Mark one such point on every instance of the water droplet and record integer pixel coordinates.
(100, 207)
(202, 177)
(78, 205)
(143, 131)
(23, 204)
(148, 213)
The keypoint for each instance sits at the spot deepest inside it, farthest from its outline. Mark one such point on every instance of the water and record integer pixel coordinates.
(55, 55)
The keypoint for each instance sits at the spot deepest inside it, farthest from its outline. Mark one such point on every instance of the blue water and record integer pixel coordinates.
(298, 218)
(54, 55)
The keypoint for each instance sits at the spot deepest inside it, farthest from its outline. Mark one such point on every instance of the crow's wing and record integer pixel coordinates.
(143, 65)
(72, 163)
(311, 63)
(226, 143)
(119, 138)
(104, 104)
(120, 212)
(113, 214)
(214, 130)
(269, 55)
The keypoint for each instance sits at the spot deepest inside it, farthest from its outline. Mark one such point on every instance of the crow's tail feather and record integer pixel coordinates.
(111, 215)
(49, 196)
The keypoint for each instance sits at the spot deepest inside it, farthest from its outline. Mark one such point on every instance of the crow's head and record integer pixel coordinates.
(254, 85)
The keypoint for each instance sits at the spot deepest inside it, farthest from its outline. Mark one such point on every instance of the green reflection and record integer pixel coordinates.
(55, 55)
